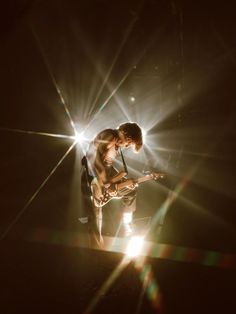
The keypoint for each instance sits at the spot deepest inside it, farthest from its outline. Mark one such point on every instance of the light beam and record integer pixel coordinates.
(70, 137)
(21, 212)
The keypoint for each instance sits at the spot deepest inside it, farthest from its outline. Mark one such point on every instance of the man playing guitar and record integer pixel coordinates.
(99, 174)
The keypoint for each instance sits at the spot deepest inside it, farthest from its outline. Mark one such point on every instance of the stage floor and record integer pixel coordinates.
(44, 275)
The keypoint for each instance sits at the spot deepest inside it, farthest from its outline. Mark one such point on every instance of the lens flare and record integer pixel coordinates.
(135, 246)
(79, 137)
(144, 133)
(132, 99)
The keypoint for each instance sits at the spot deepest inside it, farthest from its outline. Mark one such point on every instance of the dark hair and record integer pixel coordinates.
(132, 131)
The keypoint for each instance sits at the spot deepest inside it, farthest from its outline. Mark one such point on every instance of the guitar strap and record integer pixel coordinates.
(123, 160)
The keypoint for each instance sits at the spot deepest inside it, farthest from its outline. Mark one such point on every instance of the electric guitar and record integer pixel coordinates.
(101, 195)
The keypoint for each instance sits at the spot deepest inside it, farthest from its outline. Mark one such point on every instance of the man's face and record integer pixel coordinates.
(128, 142)
(125, 141)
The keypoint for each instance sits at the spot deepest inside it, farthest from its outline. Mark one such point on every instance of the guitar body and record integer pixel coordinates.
(119, 186)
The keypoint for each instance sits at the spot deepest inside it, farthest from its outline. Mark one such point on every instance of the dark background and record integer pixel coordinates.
(181, 61)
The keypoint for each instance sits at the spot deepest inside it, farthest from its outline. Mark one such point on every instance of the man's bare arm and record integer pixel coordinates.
(103, 143)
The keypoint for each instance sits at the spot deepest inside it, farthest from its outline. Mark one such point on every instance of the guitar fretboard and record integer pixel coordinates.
(145, 178)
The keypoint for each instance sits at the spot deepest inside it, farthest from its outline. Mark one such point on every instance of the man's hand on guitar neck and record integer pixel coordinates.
(118, 177)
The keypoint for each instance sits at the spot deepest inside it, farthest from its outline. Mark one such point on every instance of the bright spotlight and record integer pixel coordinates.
(134, 247)
(132, 98)
(79, 137)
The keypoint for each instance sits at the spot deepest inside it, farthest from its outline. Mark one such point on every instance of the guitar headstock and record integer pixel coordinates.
(155, 175)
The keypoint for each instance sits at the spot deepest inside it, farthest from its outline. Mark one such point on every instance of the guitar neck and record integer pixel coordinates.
(101, 195)
(144, 178)
(122, 185)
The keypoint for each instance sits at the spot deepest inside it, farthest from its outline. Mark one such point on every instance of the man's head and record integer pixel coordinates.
(132, 135)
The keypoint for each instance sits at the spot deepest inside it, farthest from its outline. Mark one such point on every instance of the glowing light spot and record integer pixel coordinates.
(79, 137)
(135, 246)
(132, 98)
(127, 218)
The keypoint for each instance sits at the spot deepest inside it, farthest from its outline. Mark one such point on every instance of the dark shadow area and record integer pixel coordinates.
(170, 67)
